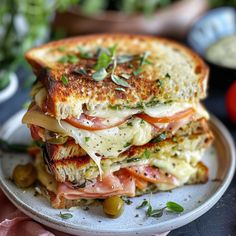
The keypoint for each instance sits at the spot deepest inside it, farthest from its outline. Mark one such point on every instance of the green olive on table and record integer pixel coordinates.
(113, 206)
(24, 175)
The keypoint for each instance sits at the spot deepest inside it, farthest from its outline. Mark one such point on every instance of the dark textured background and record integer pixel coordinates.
(221, 219)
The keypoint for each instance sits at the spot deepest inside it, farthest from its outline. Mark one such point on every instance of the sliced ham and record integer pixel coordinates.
(110, 185)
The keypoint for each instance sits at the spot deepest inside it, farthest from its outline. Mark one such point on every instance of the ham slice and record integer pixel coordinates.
(110, 185)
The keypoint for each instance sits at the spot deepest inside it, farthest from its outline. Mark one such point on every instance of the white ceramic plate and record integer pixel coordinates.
(195, 199)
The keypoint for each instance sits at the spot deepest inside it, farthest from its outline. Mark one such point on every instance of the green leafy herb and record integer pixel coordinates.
(65, 216)
(103, 61)
(174, 207)
(125, 76)
(86, 139)
(112, 50)
(159, 138)
(167, 75)
(174, 139)
(124, 59)
(80, 71)
(129, 124)
(64, 80)
(117, 80)
(120, 89)
(143, 204)
(149, 210)
(69, 59)
(159, 83)
(138, 71)
(127, 200)
(61, 48)
(146, 154)
(134, 159)
(100, 74)
(127, 144)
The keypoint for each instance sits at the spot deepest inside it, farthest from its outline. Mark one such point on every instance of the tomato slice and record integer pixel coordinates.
(151, 174)
(91, 122)
(167, 119)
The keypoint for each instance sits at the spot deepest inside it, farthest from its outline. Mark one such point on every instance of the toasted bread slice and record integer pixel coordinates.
(174, 74)
(78, 166)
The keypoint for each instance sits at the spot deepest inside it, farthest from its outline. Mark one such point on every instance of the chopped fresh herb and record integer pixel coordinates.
(127, 144)
(120, 89)
(143, 58)
(124, 58)
(159, 138)
(86, 139)
(174, 207)
(156, 213)
(134, 159)
(167, 75)
(174, 139)
(80, 71)
(127, 200)
(144, 204)
(61, 48)
(129, 124)
(69, 59)
(125, 76)
(103, 61)
(117, 80)
(64, 80)
(112, 50)
(138, 71)
(84, 54)
(100, 74)
(146, 154)
(149, 210)
(65, 216)
(159, 83)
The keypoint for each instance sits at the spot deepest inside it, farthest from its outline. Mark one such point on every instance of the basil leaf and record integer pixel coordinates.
(124, 58)
(103, 61)
(120, 89)
(174, 207)
(65, 215)
(64, 80)
(144, 203)
(117, 80)
(112, 50)
(100, 75)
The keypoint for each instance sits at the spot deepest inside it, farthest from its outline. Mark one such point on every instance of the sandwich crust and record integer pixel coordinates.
(175, 73)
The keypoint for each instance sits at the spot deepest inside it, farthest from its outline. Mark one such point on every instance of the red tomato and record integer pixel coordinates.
(231, 102)
(176, 117)
(91, 123)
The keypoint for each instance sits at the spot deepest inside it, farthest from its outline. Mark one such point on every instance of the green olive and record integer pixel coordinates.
(59, 140)
(24, 175)
(113, 206)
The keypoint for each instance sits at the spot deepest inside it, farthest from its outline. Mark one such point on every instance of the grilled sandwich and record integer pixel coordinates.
(117, 115)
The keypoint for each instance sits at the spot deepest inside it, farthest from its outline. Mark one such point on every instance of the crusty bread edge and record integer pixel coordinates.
(200, 64)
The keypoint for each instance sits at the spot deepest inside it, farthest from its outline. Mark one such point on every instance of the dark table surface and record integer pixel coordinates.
(221, 219)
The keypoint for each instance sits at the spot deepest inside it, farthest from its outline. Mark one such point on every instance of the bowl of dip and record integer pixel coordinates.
(213, 36)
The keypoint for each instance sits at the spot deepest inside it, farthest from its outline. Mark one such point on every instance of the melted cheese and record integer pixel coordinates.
(110, 142)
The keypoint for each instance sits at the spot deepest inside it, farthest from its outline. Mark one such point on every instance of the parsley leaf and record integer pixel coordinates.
(117, 80)
(65, 215)
(100, 74)
(103, 61)
(64, 80)
(159, 138)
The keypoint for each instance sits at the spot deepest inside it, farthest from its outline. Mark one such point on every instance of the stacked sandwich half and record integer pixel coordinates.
(117, 115)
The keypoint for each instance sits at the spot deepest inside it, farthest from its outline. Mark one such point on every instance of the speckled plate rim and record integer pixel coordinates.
(184, 219)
